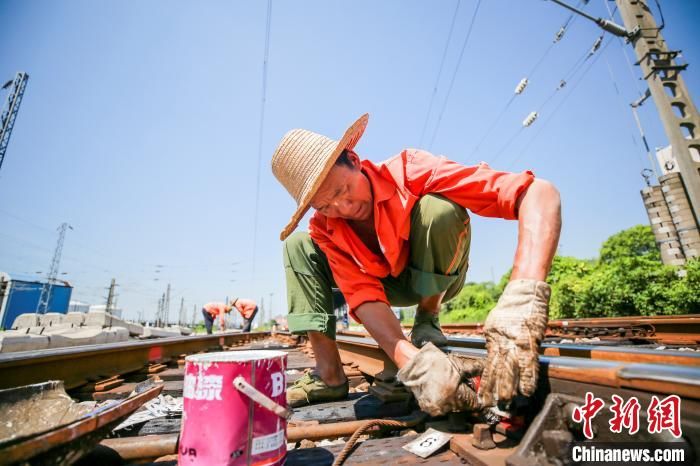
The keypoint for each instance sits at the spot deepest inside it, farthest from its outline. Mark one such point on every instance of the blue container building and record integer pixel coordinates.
(20, 296)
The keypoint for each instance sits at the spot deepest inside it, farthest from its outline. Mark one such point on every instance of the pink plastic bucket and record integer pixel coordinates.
(222, 426)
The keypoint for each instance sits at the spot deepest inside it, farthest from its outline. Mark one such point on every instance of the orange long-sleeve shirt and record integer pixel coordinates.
(216, 309)
(398, 183)
(245, 306)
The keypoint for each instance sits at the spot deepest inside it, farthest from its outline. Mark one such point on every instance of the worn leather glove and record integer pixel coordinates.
(513, 331)
(439, 382)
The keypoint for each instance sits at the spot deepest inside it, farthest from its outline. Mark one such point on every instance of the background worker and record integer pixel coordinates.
(210, 311)
(248, 309)
(398, 233)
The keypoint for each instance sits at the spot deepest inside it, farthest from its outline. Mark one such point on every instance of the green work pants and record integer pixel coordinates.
(439, 239)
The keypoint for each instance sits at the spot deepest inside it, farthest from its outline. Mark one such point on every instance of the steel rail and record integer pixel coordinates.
(610, 353)
(627, 354)
(678, 328)
(669, 379)
(78, 365)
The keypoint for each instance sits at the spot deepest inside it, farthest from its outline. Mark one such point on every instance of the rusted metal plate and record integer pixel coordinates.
(387, 451)
(162, 425)
(358, 406)
(66, 443)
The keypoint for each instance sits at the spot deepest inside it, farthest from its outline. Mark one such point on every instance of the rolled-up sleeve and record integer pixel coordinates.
(357, 286)
(479, 188)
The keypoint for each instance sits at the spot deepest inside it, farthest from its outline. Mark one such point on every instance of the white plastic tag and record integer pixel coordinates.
(428, 443)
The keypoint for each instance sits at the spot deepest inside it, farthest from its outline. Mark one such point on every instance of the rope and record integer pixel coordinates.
(454, 75)
(347, 450)
(437, 81)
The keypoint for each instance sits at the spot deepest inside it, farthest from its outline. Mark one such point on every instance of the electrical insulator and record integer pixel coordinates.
(521, 86)
(562, 83)
(530, 119)
(560, 34)
(596, 46)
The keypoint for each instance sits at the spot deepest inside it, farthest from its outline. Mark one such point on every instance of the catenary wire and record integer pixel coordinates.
(561, 102)
(558, 37)
(437, 81)
(454, 75)
(260, 137)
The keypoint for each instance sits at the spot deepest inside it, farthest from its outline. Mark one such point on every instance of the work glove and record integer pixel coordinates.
(513, 331)
(441, 383)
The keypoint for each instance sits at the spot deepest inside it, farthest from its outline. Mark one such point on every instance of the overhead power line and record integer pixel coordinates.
(260, 135)
(561, 102)
(534, 115)
(437, 81)
(521, 86)
(454, 75)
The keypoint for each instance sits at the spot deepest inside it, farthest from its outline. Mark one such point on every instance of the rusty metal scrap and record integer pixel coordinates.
(67, 442)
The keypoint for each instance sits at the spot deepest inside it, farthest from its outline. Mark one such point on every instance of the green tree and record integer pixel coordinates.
(637, 241)
(628, 279)
(472, 304)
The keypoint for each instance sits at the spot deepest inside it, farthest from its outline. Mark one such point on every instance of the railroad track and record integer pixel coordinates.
(109, 371)
(652, 371)
(668, 330)
(101, 365)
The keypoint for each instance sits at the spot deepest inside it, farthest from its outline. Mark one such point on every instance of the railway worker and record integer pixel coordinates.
(248, 310)
(398, 233)
(246, 307)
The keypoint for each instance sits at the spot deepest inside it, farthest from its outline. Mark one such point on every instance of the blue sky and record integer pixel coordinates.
(139, 127)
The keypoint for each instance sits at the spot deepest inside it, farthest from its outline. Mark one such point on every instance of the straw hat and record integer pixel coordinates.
(302, 161)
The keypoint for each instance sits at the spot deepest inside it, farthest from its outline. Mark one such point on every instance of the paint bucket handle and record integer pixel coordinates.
(260, 398)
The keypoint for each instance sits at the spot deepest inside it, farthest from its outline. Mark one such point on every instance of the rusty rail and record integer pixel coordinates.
(677, 329)
(81, 364)
(682, 380)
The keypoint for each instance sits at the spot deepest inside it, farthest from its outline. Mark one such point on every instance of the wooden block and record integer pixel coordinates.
(155, 368)
(172, 374)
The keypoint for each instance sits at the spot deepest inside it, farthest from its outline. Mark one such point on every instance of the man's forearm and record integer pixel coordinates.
(385, 328)
(539, 225)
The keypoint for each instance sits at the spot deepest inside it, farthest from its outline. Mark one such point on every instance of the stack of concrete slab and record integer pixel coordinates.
(181, 329)
(26, 320)
(51, 318)
(159, 332)
(76, 318)
(55, 330)
(105, 320)
(16, 340)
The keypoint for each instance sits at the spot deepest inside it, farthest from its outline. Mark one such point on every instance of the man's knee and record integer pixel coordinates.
(298, 242)
(440, 214)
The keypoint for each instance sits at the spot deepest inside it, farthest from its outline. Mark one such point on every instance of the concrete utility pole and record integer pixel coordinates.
(181, 315)
(194, 314)
(166, 306)
(662, 73)
(110, 296)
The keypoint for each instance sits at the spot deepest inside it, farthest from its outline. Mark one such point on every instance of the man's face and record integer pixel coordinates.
(345, 193)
